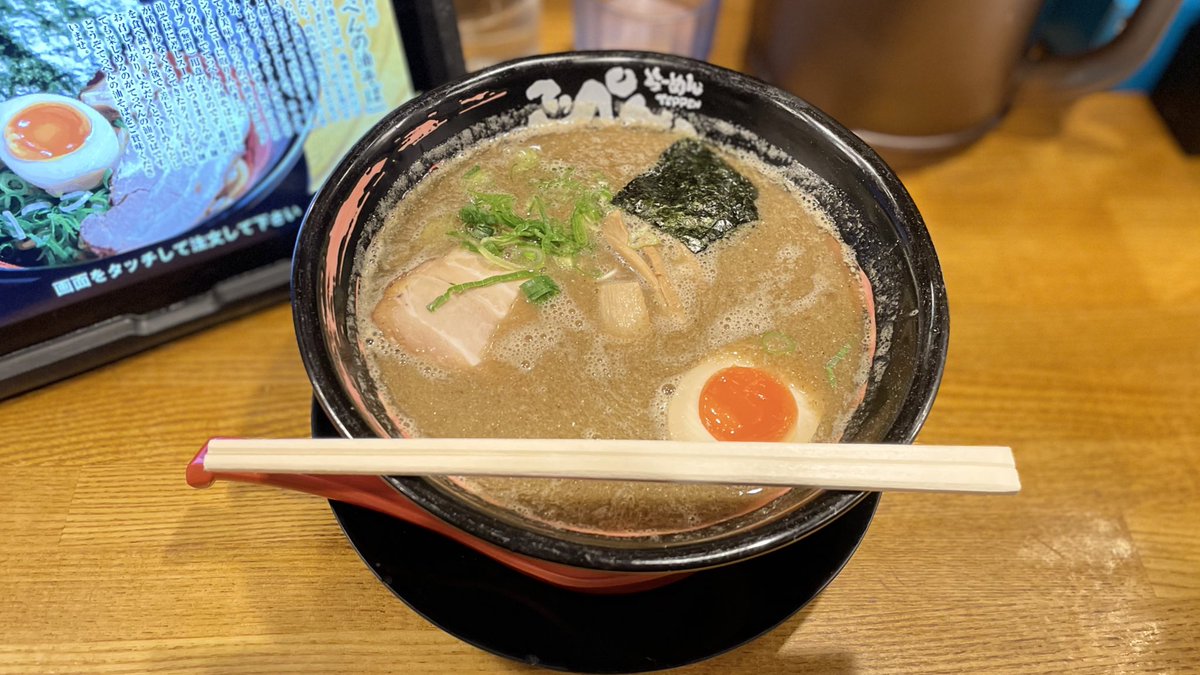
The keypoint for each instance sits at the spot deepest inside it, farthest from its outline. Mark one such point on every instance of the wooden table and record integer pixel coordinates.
(1070, 243)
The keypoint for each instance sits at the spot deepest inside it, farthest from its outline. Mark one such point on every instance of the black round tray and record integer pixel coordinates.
(488, 605)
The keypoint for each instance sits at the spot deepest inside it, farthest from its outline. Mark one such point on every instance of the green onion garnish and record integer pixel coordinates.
(527, 239)
(540, 289)
(475, 176)
(832, 363)
(488, 281)
(526, 159)
(775, 342)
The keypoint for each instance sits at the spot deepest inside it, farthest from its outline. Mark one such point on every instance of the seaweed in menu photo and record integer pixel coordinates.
(37, 46)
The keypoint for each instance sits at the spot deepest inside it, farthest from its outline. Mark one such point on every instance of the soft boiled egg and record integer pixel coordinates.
(56, 143)
(729, 397)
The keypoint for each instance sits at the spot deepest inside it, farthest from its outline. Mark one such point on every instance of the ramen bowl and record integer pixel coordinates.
(871, 210)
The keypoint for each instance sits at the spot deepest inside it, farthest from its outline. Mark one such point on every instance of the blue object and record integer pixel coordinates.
(1070, 27)
(1148, 75)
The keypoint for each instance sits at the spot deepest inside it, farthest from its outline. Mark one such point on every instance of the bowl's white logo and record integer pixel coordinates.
(617, 95)
(679, 89)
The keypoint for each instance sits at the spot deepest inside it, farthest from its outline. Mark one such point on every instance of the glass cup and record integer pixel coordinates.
(683, 27)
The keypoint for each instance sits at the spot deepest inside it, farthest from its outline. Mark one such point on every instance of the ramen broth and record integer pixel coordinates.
(779, 295)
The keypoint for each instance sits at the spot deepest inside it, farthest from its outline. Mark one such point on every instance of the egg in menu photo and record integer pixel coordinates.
(732, 397)
(57, 143)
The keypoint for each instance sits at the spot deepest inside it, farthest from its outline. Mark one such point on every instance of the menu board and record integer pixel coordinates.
(157, 157)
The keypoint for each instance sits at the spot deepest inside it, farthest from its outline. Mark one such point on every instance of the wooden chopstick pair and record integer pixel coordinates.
(840, 466)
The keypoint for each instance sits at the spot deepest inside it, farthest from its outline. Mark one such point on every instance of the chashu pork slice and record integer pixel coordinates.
(148, 209)
(457, 334)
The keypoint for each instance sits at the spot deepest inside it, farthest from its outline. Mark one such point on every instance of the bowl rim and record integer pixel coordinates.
(933, 332)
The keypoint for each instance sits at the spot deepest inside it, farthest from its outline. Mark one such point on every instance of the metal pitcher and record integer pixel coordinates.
(919, 79)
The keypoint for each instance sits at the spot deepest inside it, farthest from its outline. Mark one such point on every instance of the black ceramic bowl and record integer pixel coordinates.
(874, 214)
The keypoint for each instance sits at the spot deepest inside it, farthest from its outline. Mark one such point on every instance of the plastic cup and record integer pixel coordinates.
(683, 27)
(493, 31)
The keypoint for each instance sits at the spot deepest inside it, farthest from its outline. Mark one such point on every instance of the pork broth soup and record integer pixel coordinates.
(608, 280)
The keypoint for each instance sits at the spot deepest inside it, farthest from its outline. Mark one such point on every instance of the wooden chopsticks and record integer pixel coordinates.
(841, 466)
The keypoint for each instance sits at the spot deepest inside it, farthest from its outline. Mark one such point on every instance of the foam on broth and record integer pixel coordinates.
(551, 371)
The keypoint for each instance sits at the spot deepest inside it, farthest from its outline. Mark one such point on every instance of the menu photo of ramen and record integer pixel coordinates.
(127, 123)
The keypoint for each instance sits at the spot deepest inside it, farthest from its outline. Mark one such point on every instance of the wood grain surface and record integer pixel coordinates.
(1070, 243)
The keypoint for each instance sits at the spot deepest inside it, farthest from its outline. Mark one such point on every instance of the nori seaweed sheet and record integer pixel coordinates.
(691, 194)
(37, 52)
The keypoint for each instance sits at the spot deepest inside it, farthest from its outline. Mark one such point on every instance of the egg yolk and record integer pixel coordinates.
(46, 130)
(746, 404)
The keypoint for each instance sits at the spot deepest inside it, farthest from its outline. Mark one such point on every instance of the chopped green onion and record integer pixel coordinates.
(497, 259)
(526, 239)
(832, 363)
(475, 177)
(526, 159)
(586, 215)
(51, 224)
(532, 257)
(540, 289)
(775, 342)
(488, 281)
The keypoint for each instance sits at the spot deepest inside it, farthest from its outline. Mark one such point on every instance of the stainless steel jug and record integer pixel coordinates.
(918, 79)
